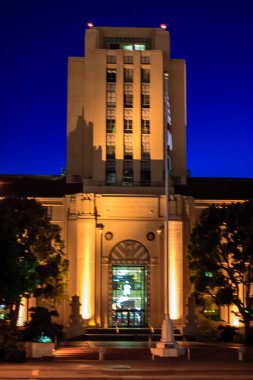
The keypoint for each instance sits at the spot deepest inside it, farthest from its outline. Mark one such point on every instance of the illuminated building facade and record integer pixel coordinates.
(119, 95)
(126, 96)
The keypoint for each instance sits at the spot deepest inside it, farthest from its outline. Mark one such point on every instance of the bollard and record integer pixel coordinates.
(241, 351)
(188, 354)
(101, 352)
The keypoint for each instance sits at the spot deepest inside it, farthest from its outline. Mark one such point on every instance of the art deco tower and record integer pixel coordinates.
(124, 97)
(116, 106)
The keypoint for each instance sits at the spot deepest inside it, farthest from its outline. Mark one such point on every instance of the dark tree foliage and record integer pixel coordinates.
(32, 259)
(221, 257)
(41, 324)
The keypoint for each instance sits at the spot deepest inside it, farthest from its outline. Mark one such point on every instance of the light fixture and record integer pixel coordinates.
(90, 24)
(163, 26)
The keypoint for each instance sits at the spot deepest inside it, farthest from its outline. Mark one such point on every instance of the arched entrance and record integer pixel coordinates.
(129, 285)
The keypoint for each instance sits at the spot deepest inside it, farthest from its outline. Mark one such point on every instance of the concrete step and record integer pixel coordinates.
(76, 353)
(123, 334)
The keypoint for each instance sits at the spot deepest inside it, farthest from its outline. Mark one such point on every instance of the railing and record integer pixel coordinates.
(129, 317)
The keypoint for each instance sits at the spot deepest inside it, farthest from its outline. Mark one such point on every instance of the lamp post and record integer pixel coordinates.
(167, 345)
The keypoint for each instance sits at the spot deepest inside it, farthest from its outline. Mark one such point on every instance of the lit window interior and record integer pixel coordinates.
(129, 298)
(140, 47)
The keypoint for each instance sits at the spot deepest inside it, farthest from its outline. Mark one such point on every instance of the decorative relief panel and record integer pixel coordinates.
(129, 250)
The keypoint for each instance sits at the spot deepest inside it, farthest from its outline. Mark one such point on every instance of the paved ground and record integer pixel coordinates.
(132, 360)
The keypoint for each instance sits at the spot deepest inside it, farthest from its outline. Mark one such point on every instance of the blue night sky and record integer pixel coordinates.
(214, 36)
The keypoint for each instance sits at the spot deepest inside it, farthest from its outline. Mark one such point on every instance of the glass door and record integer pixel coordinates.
(129, 296)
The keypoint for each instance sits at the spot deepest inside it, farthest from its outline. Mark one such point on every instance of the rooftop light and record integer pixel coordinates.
(163, 26)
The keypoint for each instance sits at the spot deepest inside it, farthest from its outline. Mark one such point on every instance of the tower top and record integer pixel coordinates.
(127, 38)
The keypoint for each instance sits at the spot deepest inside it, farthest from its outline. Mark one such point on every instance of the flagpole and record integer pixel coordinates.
(167, 345)
(167, 334)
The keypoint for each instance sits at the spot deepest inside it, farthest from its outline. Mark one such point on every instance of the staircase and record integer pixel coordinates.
(123, 334)
(82, 347)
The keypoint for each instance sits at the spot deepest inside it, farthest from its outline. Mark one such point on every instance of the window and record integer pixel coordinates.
(110, 126)
(110, 172)
(145, 60)
(111, 59)
(145, 101)
(145, 76)
(76, 178)
(111, 87)
(139, 47)
(145, 114)
(128, 43)
(145, 89)
(127, 177)
(128, 100)
(128, 114)
(128, 147)
(210, 309)
(129, 294)
(145, 147)
(128, 59)
(131, 47)
(145, 173)
(111, 99)
(111, 95)
(128, 75)
(114, 46)
(128, 126)
(111, 76)
(110, 165)
(110, 152)
(128, 88)
(110, 146)
(110, 113)
(145, 165)
(110, 178)
(110, 139)
(145, 126)
(128, 47)
(2, 312)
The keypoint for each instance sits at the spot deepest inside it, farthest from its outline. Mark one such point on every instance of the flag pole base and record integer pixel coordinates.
(167, 347)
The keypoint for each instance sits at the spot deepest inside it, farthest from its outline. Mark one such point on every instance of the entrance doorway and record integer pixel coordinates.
(129, 295)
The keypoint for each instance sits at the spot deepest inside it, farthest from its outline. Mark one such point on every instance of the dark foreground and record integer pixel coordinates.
(133, 361)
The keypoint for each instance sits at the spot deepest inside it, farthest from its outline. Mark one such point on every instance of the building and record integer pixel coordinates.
(126, 103)
(119, 96)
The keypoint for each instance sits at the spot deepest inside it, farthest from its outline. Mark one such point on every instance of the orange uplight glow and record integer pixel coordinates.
(175, 270)
(235, 321)
(163, 26)
(86, 291)
(234, 318)
(90, 24)
(22, 313)
(173, 294)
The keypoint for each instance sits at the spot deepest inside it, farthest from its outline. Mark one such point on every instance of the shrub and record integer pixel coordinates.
(226, 333)
(41, 328)
(249, 337)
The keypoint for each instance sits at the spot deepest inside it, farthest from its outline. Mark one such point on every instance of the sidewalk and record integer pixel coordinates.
(207, 361)
(127, 369)
(140, 351)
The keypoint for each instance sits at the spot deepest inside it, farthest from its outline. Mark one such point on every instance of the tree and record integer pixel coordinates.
(32, 259)
(221, 258)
